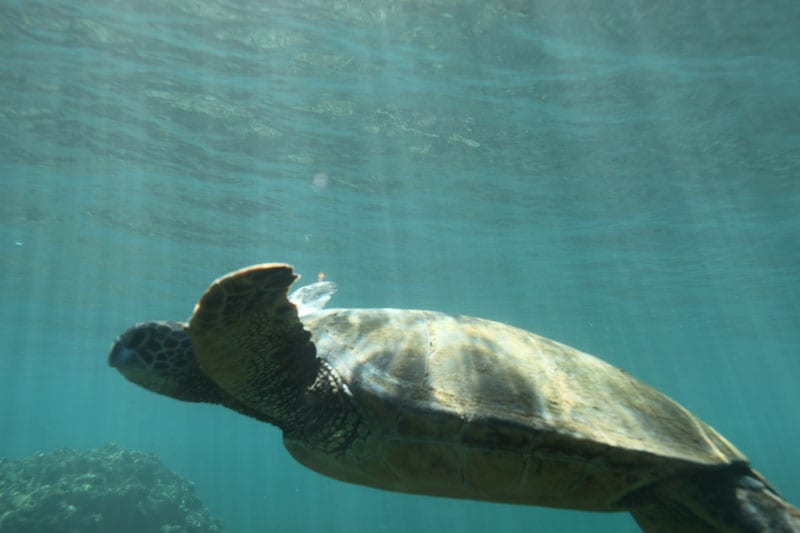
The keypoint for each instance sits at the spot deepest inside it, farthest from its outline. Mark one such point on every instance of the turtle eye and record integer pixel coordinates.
(134, 337)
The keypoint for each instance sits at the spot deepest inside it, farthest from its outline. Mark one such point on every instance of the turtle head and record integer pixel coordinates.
(159, 357)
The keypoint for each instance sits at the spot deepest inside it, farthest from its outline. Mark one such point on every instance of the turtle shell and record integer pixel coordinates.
(463, 407)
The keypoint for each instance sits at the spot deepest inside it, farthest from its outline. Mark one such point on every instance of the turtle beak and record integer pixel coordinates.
(121, 356)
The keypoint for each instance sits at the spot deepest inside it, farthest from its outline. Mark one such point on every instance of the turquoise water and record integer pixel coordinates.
(621, 176)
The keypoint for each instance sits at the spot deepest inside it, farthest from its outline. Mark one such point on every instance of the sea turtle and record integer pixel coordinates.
(430, 403)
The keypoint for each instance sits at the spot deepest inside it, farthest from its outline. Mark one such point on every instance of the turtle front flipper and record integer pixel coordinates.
(248, 339)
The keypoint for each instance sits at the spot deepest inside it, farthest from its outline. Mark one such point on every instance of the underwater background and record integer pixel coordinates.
(619, 175)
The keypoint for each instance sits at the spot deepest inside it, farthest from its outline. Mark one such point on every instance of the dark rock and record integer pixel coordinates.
(103, 490)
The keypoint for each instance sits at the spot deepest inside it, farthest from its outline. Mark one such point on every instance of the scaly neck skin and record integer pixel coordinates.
(325, 417)
(274, 395)
(307, 403)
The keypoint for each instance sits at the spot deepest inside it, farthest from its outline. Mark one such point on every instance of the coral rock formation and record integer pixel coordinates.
(102, 490)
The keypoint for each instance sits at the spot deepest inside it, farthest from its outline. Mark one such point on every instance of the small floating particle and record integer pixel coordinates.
(320, 181)
(469, 142)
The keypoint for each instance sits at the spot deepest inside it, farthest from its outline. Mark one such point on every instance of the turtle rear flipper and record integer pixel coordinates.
(735, 498)
(248, 339)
